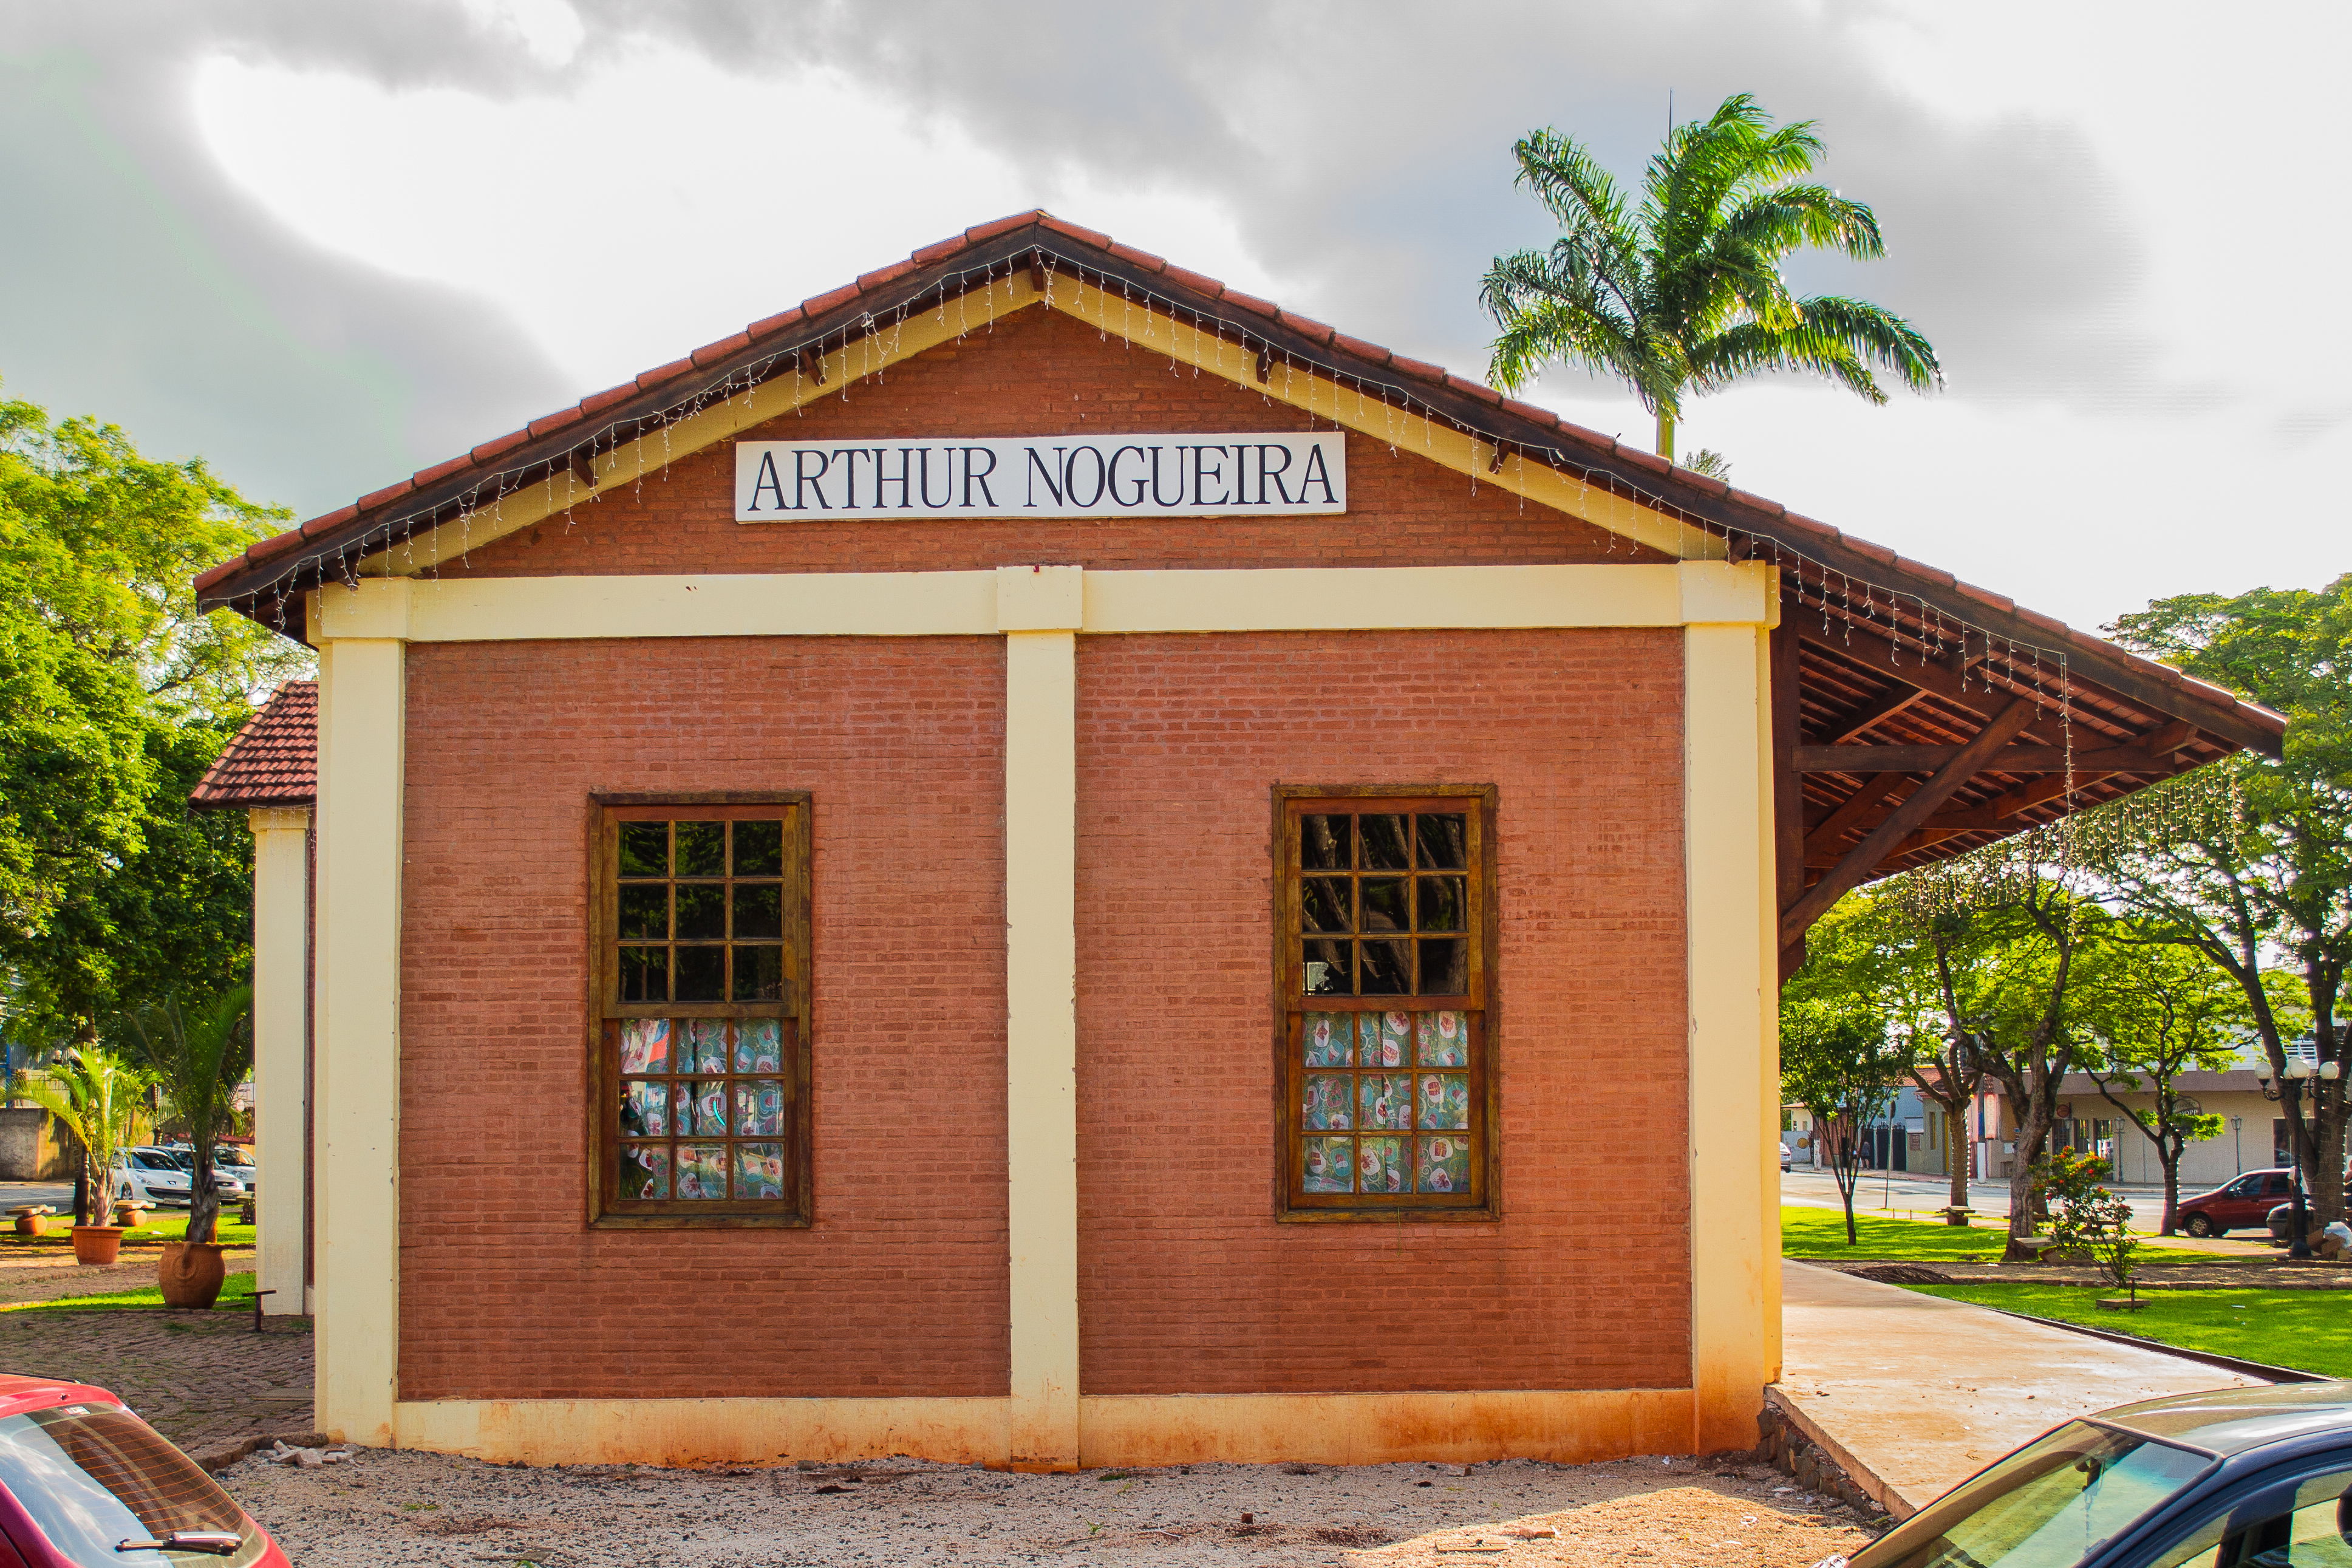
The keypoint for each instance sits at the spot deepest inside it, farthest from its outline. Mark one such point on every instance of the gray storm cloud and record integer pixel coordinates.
(1362, 148)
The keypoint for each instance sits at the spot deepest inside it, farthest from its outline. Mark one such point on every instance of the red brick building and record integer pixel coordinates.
(1038, 861)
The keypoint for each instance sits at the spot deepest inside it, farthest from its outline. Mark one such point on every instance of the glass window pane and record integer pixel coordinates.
(1325, 1100)
(1384, 904)
(1385, 1102)
(645, 849)
(758, 849)
(645, 974)
(1444, 1101)
(702, 1170)
(1441, 903)
(760, 1170)
(1444, 1039)
(644, 911)
(701, 911)
(702, 1045)
(1379, 1165)
(1380, 1039)
(645, 1110)
(1329, 1163)
(1444, 841)
(1387, 968)
(644, 1045)
(1384, 843)
(645, 1171)
(701, 849)
(1323, 904)
(759, 1108)
(1327, 969)
(1442, 1165)
(702, 1107)
(1323, 843)
(701, 974)
(1327, 1039)
(760, 974)
(1445, 967)
(759, 909)
(759, 1046)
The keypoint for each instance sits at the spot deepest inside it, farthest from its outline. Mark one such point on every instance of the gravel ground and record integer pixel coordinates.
(389, 1509)
(201, 1378)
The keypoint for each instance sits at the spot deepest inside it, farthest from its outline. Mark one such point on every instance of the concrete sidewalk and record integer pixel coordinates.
(1912, 1393)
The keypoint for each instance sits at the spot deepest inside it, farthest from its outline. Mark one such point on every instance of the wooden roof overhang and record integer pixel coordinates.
(1919, 716)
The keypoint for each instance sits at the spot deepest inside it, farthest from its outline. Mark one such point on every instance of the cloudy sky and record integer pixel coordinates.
(324, 245)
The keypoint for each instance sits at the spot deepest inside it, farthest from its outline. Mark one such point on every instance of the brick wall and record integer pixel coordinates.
(1187, 1283)
(1040, 373)
(900, 1287)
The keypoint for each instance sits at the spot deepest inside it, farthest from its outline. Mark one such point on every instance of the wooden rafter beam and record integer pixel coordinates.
(1946, 679)
(1859, 809)
(1859, 862)
(1879, 709)
(2010, 760)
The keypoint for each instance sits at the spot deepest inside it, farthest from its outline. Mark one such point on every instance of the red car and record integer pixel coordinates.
(2240, 1204)
(85, 1483)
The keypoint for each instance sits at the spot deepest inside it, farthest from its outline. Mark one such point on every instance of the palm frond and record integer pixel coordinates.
(1790, 218)
(1878, 336)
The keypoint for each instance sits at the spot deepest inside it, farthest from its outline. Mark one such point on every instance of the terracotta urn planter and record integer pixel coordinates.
(97, 1243)
(33, 1219)
(191, 1273)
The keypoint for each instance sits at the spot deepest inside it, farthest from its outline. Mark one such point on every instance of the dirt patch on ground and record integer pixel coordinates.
(387, 1509)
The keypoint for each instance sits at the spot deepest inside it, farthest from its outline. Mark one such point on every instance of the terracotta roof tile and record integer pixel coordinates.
(1251, 302)
(711, 353)
(327, 520)
(1811, 525)
(1420, 369)
(273, 760)
(455, 465)
(275, 545)
(1528, 411)
(660, 373)
(883, 276)
(939, 250)
(1482, 394)
(1878, 553)
(597, 402)
(1306, 326)
(832, 299)
(777, 322)
(555, 421)
(212, 574)
(1708, 482)
(1198, 282)
(2001, 602)
(1359, 348)
(1142, 258)
(1642, 459)
(1744, 498)
(981, 231)
(1093, 236)
(498, 446)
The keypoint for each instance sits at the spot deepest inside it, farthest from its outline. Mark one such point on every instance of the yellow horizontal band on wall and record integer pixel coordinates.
(1560, 1426)
(949, 603)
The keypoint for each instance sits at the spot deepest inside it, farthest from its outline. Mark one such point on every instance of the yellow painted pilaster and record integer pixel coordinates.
(281, 934)
(1728, 838)
(361, 724)
(1039, 609)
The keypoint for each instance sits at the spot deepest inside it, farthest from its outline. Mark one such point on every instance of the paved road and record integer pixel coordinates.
(1920, 1196)
(57, 1195)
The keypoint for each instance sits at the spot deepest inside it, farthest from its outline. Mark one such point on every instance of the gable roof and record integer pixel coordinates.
(1887, 646)
(273, 760)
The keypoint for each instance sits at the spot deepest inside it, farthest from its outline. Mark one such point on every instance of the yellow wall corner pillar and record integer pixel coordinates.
(362, 637)
(281, 1091)
(1039, 609)
(1727, 827)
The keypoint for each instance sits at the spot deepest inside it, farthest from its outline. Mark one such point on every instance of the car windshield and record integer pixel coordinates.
(2049, 1505)
(156, 1161)
(93, 1476)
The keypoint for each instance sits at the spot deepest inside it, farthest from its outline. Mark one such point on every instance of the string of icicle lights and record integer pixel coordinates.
(867, 346)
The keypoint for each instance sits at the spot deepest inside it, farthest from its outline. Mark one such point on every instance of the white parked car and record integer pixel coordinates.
(157, 1176)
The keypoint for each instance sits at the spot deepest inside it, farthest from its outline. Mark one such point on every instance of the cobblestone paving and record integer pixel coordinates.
(201, 1378)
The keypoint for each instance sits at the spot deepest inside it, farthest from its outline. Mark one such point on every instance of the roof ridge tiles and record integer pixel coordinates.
(1005, 224)
(1198, 282)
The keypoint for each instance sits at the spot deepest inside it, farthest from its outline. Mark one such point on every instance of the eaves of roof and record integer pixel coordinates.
(272, 762)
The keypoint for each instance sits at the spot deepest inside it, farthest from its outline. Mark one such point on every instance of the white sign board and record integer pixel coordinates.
(1041, 476)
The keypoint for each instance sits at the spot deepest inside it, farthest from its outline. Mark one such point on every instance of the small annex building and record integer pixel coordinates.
(1038, 861)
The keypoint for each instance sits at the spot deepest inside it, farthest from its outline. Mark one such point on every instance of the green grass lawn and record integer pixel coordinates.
(2307, 1329)
(236, 1294)
(1821, 1233)
(166, 1227)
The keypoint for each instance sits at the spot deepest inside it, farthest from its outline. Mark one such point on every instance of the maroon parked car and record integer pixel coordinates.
(2244, 1203)
(84, 1483)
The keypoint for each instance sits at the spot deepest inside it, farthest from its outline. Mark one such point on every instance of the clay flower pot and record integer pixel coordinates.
(33, 1219)
(191, 1273)
(97, 1243)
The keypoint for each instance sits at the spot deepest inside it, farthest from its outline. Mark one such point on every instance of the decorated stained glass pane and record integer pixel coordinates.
(1444, 1039)
(645, 1110)
(645, 1171)
(709, 1099)
(1381, 1165)
(705, 1049)
(644, 1045)
(759, 1108)
(1444, 1166)
(1326, 1037)
(1329, 1164)
(1385, 1101)
(702, 1170)
(1326, 1100)
(1444, 1100)
(759, 1170)
(759, 1046)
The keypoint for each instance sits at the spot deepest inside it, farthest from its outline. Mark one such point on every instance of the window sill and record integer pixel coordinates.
(700, 1222)
(1490, 1214)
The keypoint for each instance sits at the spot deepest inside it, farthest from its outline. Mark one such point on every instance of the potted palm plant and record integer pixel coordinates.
(198, 1056)
(93, 1092)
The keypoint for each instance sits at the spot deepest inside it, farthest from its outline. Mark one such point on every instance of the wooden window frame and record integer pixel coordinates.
(606, 1012)
(1292, 1002)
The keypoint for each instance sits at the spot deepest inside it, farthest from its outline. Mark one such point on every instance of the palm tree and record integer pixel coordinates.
(94, 1094)
(1685, 295)
(199, 1058)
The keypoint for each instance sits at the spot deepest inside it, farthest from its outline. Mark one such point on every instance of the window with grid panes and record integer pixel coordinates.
(1385, 970)
(704, 980)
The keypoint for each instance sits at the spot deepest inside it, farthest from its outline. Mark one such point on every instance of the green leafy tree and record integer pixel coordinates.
(2156, 1010)
(1682, 295)
(2087, 1218)
(2251, 860)
(1837, 1062)
(95, 1094)
(198, 1057)
(118, 694)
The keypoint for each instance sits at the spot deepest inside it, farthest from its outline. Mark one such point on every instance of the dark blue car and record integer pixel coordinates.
(2238, 1477)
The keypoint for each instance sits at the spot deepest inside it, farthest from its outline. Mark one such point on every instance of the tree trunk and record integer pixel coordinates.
(1665, 435)
(2022, 1206)
(2168, 1151)
(2324, 1177)
(203, 1197)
